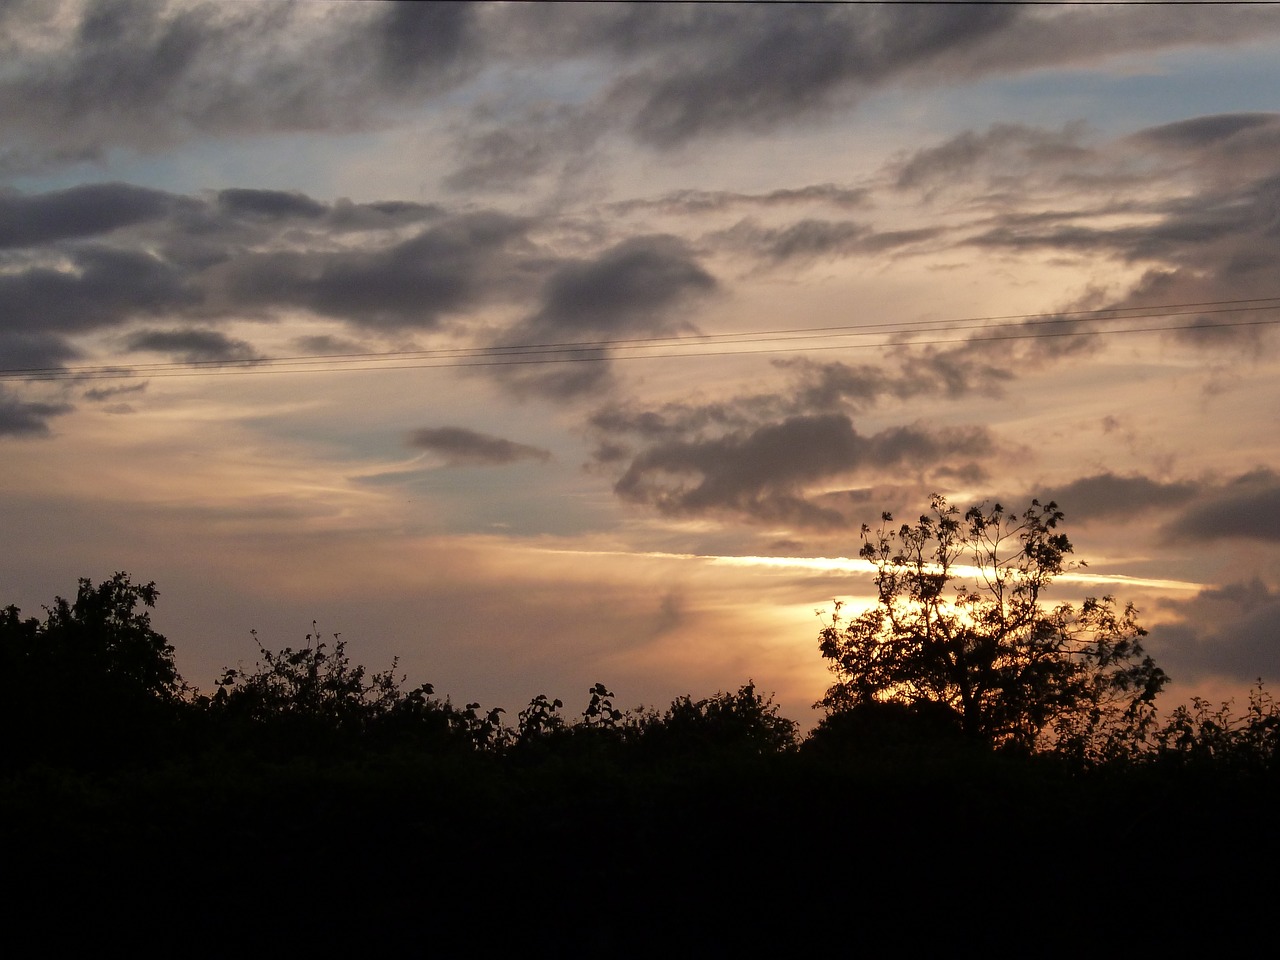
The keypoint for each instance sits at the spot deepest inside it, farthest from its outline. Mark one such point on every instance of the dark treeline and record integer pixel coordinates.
(309, 783)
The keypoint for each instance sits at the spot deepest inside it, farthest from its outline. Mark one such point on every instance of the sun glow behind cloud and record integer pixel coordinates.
(829, 565)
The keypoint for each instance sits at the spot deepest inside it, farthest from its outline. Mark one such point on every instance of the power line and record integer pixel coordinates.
(789, 340)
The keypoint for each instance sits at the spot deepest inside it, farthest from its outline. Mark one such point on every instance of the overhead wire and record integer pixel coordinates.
(782, 340)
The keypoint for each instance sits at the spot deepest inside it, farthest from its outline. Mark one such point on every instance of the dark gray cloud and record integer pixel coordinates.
(381, 215)
(1210, 235)
(447, 267)
(502, 152)
(641, 287)
(255, 254)
(500, 158)
(99, 394)
(766, 474)
(814, 239)
(1247, 508)
(773, 63)
(33, 351)
(263, 212)
(1230, 632)
(193, 346)
(461, 447)
(677, 72)
(326, 345)
(697, 202)
(1205, 221)
(806, 239)
(1203, 132)
(84, 211)
(1106, 496)
(1184, 510)
(904, 373)
(106, 286)
(674, 421)
(27, 418)
(755, 68)
(146, 74)
(1216, 245)
(423, 41)
(812, 388)
(104, 255)
(991, 154)
(84, 77)
(580, 375)
(632, 287)
(272, 204)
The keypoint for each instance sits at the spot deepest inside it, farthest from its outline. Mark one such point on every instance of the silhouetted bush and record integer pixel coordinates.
(744, 723)
(1200, 735)
(889, 730)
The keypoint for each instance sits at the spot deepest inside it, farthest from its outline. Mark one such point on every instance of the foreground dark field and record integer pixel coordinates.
(404, 851)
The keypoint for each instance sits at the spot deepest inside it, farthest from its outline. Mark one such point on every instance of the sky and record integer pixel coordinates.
(541, 345)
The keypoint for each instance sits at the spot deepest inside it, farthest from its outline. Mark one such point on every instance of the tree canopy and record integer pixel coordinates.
(960, 619)
(92, 679)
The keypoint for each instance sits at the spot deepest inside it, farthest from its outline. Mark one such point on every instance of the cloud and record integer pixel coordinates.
(1204, 132)
(1247, 508)
(643, 286)
(23, 350)
(381, 214)
(84, 211)
(769, 474)
(104, 255)
(1187, 510)
(446, 268)
(725, 71)
(326, 345)
(813, 239)
(1231, 631)
(461, 447)
(1106, 496)
(83, 77)
(256, 254)
(1191, 202)
(629, 288)
(905, 373)
(420, 41)
(105, 286)
(732, 456)
(272, 204)
(993, 153)
(19, 418)
(99, 394)
(192, 346)
(772, 64)
(503, 152)
(698, 202)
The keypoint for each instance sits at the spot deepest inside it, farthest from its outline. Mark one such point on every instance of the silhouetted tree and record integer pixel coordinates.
(92, 681)
(959, 619)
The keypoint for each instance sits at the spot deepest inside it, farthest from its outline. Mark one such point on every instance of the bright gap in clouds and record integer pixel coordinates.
(860, 566)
